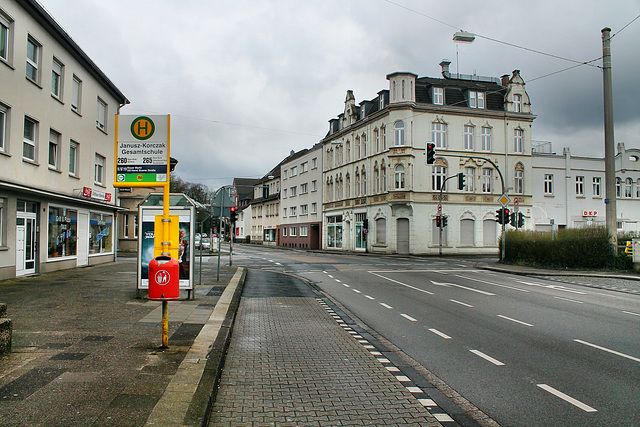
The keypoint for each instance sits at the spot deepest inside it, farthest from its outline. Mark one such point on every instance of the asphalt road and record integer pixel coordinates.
(526, 351)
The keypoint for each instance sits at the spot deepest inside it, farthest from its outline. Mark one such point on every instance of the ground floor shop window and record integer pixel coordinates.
(334, 231)
(270, 235)
(63, 232)
(100, 227)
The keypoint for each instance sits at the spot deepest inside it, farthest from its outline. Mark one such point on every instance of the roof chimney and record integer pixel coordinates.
(445, 67)
(505, 80)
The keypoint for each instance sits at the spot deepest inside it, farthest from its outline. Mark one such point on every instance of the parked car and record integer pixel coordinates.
(196, 243)
(206, 243)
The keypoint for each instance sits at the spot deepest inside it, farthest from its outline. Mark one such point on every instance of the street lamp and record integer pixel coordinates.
(462, 37)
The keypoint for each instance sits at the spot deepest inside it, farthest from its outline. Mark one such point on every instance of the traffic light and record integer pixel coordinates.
(461, 181)
(520, 220)
(444, 221)
(233, 215)
(505, 216)
(438, 221)
(513, 219)
(499, 215)
(431, 153)
(365, 224)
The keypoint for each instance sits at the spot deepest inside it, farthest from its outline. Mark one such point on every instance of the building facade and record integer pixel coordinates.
(301, 200)
(265, 208)
(57, 200)
(569, 191)
(380, 195)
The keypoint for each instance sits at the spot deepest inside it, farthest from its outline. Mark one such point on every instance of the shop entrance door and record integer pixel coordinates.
(26, 243)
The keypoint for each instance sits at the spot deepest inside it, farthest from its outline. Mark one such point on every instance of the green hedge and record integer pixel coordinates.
(568, 248)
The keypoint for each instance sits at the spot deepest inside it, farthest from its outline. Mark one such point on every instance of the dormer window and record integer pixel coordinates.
(476, 99)
(438, 95)
(517, 103)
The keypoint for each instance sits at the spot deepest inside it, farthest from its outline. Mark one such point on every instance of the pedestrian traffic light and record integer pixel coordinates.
(431, 153)
(233, 215)
(438, 221)
(520, 220)
(444, 221)
(461, 181)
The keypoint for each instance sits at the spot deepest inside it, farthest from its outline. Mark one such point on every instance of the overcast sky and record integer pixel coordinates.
(247, 81)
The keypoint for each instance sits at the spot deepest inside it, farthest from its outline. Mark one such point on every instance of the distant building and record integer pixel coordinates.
(301, 200)
(244, 188)
(57, 200)
(381, 196)
(569, 191)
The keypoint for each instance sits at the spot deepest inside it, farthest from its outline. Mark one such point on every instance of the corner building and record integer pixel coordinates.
(58, 206)
(380, 195)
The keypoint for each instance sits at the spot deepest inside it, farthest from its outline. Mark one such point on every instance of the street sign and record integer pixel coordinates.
(142, 151)
(439, 207)
(504, 200)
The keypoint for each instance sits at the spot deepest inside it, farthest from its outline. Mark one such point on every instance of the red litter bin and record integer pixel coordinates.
(164, 279)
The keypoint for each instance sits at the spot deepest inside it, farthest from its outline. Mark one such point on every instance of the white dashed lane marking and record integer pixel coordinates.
(567, 398)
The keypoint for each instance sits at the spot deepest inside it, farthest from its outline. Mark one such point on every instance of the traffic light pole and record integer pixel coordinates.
(441, 225)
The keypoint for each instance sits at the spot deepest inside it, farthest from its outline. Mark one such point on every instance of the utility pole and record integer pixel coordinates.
(609, 142)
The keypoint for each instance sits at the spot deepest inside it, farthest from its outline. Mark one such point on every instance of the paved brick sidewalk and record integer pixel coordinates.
(291, 364)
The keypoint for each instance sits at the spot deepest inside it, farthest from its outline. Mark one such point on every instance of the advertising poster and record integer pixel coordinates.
(146, 245)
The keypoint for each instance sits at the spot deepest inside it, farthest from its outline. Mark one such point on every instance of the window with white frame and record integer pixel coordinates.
(383, 132)
(294, 171)
(304, 167)
(487, 175)
(304, 230)
(376, 137)
(33, 59)
(518, 145)
(399, 183)
(597, 181)
(101, 120)
(76, 93)
(439, 134)
(438, 95)
(304, 209)
(74, 149)
(293, 191)
(468, 136)
(579, 185)
(438, 175)
(486, 138)
(54, 149)
(517, 103)
(548, 183)
(314, 163)
(469, 179)
(293, 231)
(314, 208)
(98, 176)
(476, 99)
(284, 174)
(304, 188)
(4, 111)
(628, 186)
(399, 133)
(284, 231)
(618, 187)
(518, 179)
(5, 37)
(293, 211)
(57, 78)
(284, 212)
(30, 136)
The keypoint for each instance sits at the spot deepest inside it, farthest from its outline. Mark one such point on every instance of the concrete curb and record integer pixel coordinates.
(530, 271)
(186, 400)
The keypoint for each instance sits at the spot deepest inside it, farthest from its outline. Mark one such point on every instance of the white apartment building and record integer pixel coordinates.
(57, 201)
(265, 208)
(569, 191)
(380, 195)
(301, 200)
